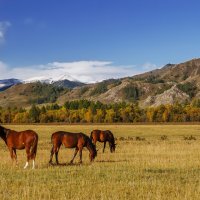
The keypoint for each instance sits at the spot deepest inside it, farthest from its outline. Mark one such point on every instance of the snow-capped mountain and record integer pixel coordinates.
(6, 83)
(50, 80)
(63, 80)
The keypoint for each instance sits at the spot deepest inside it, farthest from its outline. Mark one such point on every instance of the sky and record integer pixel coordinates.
(92, 40)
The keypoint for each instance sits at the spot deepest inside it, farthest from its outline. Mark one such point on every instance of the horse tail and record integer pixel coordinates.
(111, 135)
(91, 137)
(34, 146)
(52, 138)
(112, 140)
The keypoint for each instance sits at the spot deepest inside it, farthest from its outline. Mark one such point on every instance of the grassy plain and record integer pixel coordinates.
(147, 169)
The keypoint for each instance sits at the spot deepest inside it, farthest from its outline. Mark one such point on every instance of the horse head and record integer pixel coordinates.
(112, 147)
(3, 133)
(92, 149)
(111, 140)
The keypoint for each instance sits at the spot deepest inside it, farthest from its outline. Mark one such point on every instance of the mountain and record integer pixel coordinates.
(6, 83)
(59, 82)
(168, 85)
(62, 80)
(24, 95)
(68, 84)
(51, 78)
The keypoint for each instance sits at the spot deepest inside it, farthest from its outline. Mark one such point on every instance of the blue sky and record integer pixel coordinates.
(136, 34)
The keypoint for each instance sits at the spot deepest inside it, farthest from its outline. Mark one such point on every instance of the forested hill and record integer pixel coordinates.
(171, 84)
(168, 85)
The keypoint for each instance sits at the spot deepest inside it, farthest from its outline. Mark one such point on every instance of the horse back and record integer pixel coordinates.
(95, 135)
(100, 135)
(68, 139)
(110, 134)
(20, 139)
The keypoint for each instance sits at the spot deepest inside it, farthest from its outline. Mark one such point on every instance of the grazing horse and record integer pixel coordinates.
(72, 140)
(103, 136)
(20, 140)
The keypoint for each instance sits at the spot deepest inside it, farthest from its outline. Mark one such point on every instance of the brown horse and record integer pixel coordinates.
(72, 140)
(103, 136)
(20, 140)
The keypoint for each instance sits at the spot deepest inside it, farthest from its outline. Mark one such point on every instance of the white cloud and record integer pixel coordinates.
(3, 68)
(149, 66)
(84, 71)
(4, 25)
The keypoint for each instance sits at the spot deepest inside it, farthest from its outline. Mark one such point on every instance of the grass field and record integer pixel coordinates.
(147, 169)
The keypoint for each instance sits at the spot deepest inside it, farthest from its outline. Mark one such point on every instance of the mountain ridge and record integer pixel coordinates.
(167, 85)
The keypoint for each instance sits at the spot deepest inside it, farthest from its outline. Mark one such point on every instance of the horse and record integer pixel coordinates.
(14, 140)
(103, 136)
(72, 140)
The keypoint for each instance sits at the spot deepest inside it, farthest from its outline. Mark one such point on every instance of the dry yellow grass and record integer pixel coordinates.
(150, 169)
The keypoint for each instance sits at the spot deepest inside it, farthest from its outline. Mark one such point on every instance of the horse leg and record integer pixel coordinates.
(11, 154)
(56, 150)
(104, 146)
(56, 153)
(34, 151)
(80, 154)
(75, 153)
(33, 158)
(94, 142)
(110, 147)
(51, 156)
(15, 156)
(28, 156)
(33, 167)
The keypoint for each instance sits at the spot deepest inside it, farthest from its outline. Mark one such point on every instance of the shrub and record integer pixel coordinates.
(131, 93)
(139, 138)
(163, 137)
(130, 138)
(83, 90)
(99, 89)
(188, 88)
(153, 80)
(122, 138)
(44, 93)
(189, 137)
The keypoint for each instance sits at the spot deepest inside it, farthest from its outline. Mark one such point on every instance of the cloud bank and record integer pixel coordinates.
(4, 25)
(84, 71)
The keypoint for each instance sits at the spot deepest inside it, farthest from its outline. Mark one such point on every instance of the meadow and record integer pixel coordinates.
(161, 164)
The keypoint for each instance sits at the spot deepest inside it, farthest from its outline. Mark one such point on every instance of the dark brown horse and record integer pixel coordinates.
(20, 140)
(103, 136)
(72, 140)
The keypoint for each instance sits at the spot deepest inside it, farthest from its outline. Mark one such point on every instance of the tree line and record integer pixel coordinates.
(84, 111)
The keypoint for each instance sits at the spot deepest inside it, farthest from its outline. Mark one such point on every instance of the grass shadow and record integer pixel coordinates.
(64, 164)
(160, 171)
(110, 161)
(69, 164)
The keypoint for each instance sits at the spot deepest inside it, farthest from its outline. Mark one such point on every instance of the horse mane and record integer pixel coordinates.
(3, 133)
(2, 130)
(110, 135)
(1, 127)
(90, 144)
(112, 139)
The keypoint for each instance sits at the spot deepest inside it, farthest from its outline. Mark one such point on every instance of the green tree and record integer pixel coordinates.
(34, 114)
